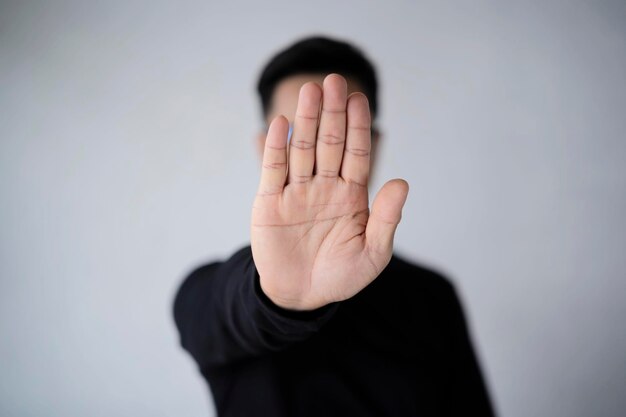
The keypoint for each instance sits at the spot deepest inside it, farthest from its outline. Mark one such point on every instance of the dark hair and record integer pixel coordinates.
(318, 55)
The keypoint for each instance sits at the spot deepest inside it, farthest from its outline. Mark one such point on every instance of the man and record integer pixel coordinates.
(317, 317)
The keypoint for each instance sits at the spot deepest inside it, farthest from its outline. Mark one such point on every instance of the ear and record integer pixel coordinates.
(376, 136)
(260, 144)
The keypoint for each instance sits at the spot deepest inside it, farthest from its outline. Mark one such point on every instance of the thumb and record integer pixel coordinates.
(384, 218)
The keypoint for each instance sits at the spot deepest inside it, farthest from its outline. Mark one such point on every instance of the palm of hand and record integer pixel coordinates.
(313, 239)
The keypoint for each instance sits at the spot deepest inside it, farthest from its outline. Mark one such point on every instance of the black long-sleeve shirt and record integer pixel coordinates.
(399, 347)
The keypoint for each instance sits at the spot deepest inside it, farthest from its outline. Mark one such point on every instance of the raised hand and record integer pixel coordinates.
(314, 240)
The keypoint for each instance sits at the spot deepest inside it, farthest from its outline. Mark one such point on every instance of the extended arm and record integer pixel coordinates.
(223, 316)
(314, 241)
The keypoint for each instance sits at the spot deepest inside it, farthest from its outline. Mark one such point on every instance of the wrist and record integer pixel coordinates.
(285, 303)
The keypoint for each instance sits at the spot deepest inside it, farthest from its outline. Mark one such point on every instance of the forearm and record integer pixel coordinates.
(223, 316)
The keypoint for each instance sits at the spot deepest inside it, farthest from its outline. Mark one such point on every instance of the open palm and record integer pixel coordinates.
(314, 240)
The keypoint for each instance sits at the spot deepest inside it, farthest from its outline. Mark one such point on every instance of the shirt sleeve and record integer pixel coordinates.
(223, 316)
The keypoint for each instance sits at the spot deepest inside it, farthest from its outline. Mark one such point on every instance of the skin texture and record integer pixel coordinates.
(285, 101)
(314, 239)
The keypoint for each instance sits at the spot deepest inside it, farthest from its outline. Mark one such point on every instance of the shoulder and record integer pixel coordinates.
(419, 288)
(239, 258)
(202, 275)
(416, 276)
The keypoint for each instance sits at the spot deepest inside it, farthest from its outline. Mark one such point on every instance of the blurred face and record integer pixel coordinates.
(285, 100)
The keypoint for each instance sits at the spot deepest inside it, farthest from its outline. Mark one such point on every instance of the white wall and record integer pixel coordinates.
(126, 159)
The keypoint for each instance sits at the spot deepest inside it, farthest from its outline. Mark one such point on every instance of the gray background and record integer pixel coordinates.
(126, 159)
